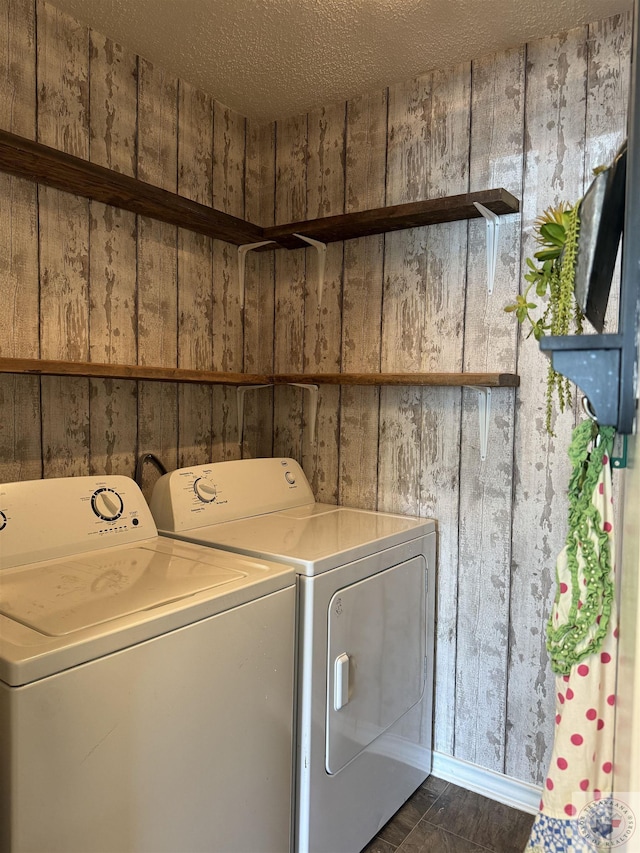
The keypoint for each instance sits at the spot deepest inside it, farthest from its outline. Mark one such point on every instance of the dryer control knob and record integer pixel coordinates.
(290, 478)
(205, 490)
(3, 520)
(107, 504)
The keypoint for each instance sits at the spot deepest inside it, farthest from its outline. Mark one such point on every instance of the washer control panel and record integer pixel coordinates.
(191, 498)
(47, 519)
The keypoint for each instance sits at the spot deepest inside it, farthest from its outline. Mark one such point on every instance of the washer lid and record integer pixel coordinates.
(59, 598)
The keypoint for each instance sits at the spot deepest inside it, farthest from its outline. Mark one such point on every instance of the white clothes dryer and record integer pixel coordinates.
(146, 685)
(365, 634)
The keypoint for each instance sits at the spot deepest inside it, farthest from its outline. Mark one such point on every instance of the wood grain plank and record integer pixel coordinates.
(413, 379)
(554, 170)
(361, 343)
(63, 122)
(290, 205)
(228, 163)
(609, 47)
(478, 820)
(497, 128)
(157, 269)
(58, 367)
(414, 214)
(404, 297)
(323, 317)
(608, 76)
(229, 130)
(438, 471)
(259, 289)
(366, 150)
(195, 276)
(53, 168)
(112, 259)
(20, 440)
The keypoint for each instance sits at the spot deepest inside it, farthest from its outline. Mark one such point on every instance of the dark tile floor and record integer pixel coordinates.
(443, 818)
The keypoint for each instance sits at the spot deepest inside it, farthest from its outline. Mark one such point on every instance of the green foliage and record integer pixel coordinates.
(551, 276)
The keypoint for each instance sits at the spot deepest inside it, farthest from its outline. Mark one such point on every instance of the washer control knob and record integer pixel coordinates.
(205, 490)
(107, 504)
(289, 477)
(3, 520)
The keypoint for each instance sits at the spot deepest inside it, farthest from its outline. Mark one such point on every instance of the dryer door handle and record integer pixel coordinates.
(341, 681)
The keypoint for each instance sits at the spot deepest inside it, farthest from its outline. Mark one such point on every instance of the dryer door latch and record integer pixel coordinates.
(341, 681)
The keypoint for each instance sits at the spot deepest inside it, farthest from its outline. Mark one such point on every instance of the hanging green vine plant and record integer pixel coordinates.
(552, 275)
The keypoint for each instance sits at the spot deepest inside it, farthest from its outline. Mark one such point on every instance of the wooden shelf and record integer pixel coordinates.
(54, 168)
(94, 370)
(379, 220)
(487, 380)
(36, 162)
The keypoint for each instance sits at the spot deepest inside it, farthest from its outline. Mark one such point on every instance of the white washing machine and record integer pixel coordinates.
(146, 685)
(365, 634)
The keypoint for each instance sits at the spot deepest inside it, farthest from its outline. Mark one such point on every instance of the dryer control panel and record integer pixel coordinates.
(191, 498)
(48, 519)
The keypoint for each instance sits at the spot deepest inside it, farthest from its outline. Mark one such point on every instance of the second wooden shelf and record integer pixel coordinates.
(95, 370)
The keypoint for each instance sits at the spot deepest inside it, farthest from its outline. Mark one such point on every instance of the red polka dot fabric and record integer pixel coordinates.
(581, 766)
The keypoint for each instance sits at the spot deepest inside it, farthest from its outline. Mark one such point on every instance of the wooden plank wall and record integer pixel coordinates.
(535, 120)
(84, 280)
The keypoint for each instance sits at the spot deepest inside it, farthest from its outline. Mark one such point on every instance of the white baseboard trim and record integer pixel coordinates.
(496, 786)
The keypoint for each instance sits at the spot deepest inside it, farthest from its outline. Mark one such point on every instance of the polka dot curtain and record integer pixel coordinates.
(582, 641)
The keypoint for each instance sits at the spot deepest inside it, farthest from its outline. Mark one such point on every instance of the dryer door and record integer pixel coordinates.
(376, 657)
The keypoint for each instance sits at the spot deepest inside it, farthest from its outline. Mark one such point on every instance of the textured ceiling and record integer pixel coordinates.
(270, 59)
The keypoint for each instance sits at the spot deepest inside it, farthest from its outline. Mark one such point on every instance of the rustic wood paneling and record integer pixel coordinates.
(229, 129)
(157, 266)
(438, 474)
(20, 442)
(195, 277)
(112, 259)
(63, 123)
(365, 164)
(323, 324)
(259, 290)
(497, 128)
(404, 298)
(609, 48)
(553, 170)
(290, 205)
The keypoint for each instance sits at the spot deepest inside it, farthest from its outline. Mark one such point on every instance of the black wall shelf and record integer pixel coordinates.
(605, 366)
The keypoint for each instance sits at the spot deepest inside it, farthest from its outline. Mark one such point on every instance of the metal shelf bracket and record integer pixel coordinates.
(313, 406)
(493, 233)
(242, 257)
(321, 248)
(240, 392)
(484, 417)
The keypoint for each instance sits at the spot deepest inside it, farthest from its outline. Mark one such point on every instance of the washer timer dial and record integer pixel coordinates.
(3, 520)
(205, 490)
(107, 504)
